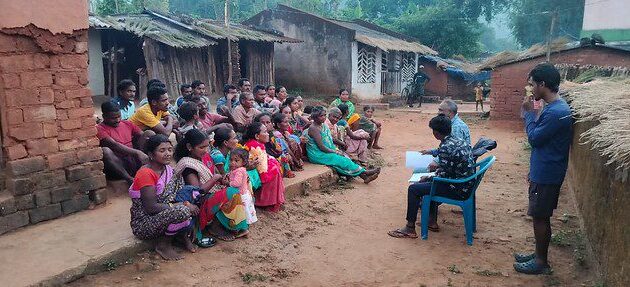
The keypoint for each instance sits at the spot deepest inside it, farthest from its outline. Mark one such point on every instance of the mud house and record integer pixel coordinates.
(510, 70)
(177, 50)
(51, 162)
(368, 59)
(451, 78)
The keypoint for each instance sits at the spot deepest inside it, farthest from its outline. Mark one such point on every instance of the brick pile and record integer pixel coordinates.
(53, 159)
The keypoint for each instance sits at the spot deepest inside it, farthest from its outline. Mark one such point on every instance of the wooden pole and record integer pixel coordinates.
(229, 46)
(551, 27)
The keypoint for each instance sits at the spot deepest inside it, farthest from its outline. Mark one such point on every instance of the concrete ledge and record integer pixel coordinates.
(59, 251)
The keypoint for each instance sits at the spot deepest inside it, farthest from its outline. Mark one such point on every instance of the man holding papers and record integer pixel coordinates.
(454, 161)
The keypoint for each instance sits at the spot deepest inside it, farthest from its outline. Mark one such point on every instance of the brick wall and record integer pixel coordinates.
(508, 82)
(438, 86)
(53, 158)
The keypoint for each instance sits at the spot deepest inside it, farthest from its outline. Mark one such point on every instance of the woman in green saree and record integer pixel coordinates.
(320, 149)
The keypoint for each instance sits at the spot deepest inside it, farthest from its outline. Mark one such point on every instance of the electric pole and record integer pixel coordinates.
(554, 17)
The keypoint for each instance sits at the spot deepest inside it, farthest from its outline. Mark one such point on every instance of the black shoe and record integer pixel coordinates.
(523, 257)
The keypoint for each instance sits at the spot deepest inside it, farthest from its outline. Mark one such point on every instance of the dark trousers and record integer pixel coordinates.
(416, 191)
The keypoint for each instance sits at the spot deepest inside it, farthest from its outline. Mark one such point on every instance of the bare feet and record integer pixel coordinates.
(187, 243)
(377, 147)
(370, 178)
(219, 232)
(241, 234)
(164, 247)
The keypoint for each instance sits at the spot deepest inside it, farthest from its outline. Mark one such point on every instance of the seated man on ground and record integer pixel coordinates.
(210, 121)
(230, 95)
(321, 150)
(455, 162)
(186, 95)
(261, 104)
(244, 114)
(244, 86)
(154, 115)
(126, 95)
(122, 143)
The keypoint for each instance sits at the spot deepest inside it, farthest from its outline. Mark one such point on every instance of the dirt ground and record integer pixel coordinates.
(338, 237)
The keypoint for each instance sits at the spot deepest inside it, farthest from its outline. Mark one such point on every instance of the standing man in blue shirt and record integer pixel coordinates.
(550, 137)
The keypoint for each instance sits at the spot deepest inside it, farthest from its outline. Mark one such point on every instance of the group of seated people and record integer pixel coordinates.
(225, 161)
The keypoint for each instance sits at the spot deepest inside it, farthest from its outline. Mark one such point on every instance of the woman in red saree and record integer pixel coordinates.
(271, 193)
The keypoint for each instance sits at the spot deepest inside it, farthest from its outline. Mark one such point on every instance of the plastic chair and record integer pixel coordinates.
(468, 206)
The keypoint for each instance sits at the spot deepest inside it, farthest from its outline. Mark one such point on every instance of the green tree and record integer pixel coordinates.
(443, 27)
(531, 19)
(110, 7)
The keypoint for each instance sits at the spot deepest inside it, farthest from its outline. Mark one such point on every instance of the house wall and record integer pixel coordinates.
(610, 19)
(458, 89)
(601, 192)
(258, 62)
(365, 91)
(177, 66)
(53, 159)
(56, 16)
(509, 81)
(320, 64)
(95, 66)
(438, 85)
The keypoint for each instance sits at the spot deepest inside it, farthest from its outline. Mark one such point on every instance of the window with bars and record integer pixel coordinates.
(408, 67)
(366, 64)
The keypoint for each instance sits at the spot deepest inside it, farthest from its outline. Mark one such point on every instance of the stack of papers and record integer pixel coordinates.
(419, 163)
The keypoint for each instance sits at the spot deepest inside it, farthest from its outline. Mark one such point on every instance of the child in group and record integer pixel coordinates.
(238, 178)
(189, 114)
(371, 126)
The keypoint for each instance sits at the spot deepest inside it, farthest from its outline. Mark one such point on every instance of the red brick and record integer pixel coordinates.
(46, 96)
(13, 221)
(81, 47)
(26, 166)
(50, 130)
(7, 43)
(96, 166)
(15, 116)
(64, 135)
(98, 196)
(62, 115)
(87, 102)
(60, 96)
(11, 81)
(72, 144)
(67, 104)
(77, 172)
(61, 160)
(71, 124)
(93, 142)
(91, 183)
(16, 63)
(80, 113)
(45, 213)
(27, 131)
(88, 155)
(27, 44)
(78, 93)
(16, 152)
(89, 122)
(40, 114)
(73, 61)
(41, 61)
(66, 79)
(83, 78)
(36, 79)
(84, 133)
(42, 146)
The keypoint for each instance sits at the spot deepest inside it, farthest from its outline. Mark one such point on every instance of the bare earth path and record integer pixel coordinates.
(339, 237)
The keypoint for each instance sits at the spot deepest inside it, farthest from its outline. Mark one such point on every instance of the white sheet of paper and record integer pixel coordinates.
(417, 162)
(416, 176)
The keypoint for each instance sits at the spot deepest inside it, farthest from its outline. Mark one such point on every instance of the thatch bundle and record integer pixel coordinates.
(607, 104)
(536, 50)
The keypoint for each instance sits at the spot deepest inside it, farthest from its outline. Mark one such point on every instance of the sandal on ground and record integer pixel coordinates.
(434, 228)
(242, 233)
(532, 267)
(400, 233)
(224, 237)
(206, 242)
(524, 257)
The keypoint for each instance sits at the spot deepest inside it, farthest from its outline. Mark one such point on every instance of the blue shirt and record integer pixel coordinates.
(126, 110)
(550, 137)
(222, 101)
(460, 130)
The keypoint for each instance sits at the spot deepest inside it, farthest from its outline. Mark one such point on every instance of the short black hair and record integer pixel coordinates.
(183, 87)
(269, 86)
(227, 88)
(259, 116)
(368, 108)
(110, 107)
(154, 142)
(548, 74)
(187, 111)
(155, 92)
(196, 83)
(155, 82)
(308, 109)
(343, 90)
(343, 108)
(277, 118)
(441, 124)
(258, 88)
(242, 154)
(242, 81)
(124, 84)
(318, 111)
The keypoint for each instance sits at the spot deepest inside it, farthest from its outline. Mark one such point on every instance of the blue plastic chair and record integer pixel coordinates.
(468, 205)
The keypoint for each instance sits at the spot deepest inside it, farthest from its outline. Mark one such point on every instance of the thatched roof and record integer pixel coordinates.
(143, 25)
(382, 40)
(607, 104)
(183, 31)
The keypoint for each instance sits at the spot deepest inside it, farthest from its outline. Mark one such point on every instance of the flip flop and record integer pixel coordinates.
(532, 267)
(524, 257)
(240, 234)
(206, 242)
(399, 233)
(225, 237)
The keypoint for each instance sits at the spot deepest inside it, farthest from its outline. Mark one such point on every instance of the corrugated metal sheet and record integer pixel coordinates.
(160, 30)
(237, 32)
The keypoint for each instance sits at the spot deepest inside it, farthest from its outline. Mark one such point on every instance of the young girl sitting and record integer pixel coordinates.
(238, 178)
(368, 124)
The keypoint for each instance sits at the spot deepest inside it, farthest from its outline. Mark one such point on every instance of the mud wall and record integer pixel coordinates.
(603, 196)
(51, 156)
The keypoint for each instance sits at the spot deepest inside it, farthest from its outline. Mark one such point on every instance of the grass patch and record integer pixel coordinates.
(488, 273)
(453, 268)
(249, 278)
(110, 265)
(561, 238)
(574, 238)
